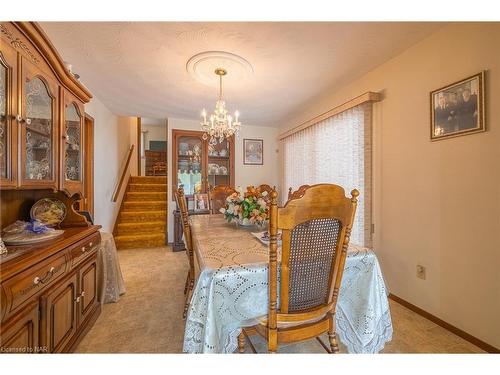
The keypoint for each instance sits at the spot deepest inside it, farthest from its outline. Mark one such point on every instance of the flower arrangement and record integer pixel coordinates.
(247, 208)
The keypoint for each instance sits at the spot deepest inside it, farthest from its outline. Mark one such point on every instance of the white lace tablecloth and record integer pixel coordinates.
(232, 291)
(110, 279)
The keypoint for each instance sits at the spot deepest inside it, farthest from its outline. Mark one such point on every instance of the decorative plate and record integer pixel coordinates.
(48, 211)
(26, 238)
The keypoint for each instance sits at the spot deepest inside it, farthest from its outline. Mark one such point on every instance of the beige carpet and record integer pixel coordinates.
(148, 318)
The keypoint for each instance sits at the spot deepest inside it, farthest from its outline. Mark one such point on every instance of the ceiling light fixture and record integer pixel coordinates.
(220, 125)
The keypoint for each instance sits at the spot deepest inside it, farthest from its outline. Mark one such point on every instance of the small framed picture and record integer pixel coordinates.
(253, 151)
(458, 109)
(201, 202)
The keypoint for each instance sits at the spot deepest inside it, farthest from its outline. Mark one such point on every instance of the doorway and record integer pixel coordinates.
(152, 141)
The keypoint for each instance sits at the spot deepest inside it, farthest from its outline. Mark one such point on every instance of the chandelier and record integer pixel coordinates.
(220, 125)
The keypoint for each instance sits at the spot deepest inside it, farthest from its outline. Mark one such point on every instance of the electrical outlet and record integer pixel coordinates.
(420, 272)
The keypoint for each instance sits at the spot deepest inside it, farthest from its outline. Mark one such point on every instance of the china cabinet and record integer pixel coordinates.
(41, 114)
(197, 164)
(48, 289)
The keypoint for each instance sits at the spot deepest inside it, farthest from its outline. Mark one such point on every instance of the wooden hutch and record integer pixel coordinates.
(48, 291)
(195, 165)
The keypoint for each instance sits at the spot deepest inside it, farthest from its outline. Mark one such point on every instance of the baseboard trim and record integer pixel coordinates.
(457, 331)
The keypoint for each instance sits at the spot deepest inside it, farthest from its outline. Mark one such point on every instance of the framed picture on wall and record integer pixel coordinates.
(253, 151)
(458, 109)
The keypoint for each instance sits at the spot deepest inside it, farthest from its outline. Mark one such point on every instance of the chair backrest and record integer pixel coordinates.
(265, 187)
(180, 199)
(217, 197)
(315, 236)
(159, 166)
(298, 193)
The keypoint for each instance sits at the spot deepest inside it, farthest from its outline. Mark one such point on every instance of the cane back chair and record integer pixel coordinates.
(180, 199)
(315, 236)
(217, 197)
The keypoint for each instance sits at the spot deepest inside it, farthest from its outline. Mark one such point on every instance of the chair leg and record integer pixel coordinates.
(272, 341)
(241, 342)
(332, 335)
(189, 294)
(187, 284)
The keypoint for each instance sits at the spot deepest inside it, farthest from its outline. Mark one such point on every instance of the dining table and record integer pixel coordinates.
(231, 290)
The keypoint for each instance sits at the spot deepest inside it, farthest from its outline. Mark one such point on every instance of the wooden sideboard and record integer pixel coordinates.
(48, 293)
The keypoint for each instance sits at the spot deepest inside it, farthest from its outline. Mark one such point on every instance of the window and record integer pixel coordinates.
(338, 151)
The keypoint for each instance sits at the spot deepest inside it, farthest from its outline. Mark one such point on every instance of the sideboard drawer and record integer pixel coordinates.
(19, 288)
(81, 250)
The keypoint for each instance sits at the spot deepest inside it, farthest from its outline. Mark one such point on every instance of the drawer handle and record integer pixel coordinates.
(83, 249)
(37, 280)
(77, 299)
(90, 244)
(20, 119)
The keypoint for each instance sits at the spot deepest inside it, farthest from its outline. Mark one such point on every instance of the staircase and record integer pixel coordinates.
(143, 216)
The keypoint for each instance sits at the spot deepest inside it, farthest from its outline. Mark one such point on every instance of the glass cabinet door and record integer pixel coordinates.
(4, 140)
(189, 166)
(8, 109)
(219, 163)
(39, 125)
(72, 143)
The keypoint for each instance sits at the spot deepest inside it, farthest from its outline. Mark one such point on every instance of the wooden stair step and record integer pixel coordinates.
(141, 227)
(144, 216)
(148, 187)
(144, 205)
(140, 241)
(145, 196)
(148, 180)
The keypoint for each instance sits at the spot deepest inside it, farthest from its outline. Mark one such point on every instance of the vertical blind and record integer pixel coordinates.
(337, 151)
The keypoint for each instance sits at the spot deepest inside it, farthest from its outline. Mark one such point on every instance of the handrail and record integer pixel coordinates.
(118, 186)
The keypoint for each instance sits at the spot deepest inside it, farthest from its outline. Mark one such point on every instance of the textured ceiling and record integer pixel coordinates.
(139, 68)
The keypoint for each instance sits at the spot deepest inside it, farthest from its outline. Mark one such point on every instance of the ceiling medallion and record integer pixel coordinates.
(220, 125)
(202, 65)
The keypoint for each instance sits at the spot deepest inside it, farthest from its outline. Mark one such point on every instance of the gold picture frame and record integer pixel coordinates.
(458, 109)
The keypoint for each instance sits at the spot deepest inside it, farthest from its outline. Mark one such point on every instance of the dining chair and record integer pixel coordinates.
(265, 187)
(298, 193)
(315, 235)
(180, 199)
(159, 168)
(217, 197)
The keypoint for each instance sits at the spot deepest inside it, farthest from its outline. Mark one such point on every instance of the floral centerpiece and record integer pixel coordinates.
(247, 208)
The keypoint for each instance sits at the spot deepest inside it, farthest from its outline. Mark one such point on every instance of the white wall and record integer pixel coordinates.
(154, 133)
(435, 203)
(110, 146)
(245, 175)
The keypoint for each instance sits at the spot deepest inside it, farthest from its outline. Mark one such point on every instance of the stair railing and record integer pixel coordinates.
(118, 186)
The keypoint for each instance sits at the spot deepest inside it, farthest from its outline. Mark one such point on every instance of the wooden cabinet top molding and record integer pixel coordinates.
(30, 40)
